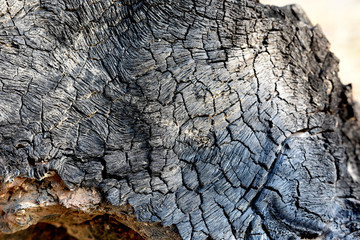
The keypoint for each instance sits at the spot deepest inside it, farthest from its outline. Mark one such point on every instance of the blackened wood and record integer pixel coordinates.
(225, 119)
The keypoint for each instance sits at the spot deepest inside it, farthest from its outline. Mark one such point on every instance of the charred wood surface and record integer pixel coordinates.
(178, 119)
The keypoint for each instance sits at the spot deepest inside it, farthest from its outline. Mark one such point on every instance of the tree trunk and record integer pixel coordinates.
(154, 119)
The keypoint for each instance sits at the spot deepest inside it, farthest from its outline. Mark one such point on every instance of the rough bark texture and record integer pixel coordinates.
(193, 119)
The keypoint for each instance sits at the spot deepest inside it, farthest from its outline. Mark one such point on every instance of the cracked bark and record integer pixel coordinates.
(149, 119)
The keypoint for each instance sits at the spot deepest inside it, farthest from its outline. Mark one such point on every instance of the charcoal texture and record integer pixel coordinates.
(225, 119)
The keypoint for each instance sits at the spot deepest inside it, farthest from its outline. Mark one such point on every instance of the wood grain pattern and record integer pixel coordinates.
(225, 119)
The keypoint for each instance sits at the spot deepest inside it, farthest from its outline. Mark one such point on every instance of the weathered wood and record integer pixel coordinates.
(221, 119)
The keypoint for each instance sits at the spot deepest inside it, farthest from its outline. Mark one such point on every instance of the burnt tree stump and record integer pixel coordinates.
(155, 119)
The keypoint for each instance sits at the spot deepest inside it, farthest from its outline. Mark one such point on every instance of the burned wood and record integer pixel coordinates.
(220, 119)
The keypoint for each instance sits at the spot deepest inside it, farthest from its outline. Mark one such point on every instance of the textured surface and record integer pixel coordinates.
(342, 32)
(225, 119)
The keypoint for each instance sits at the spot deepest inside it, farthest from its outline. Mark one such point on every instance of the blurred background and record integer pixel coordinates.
(340, 21)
